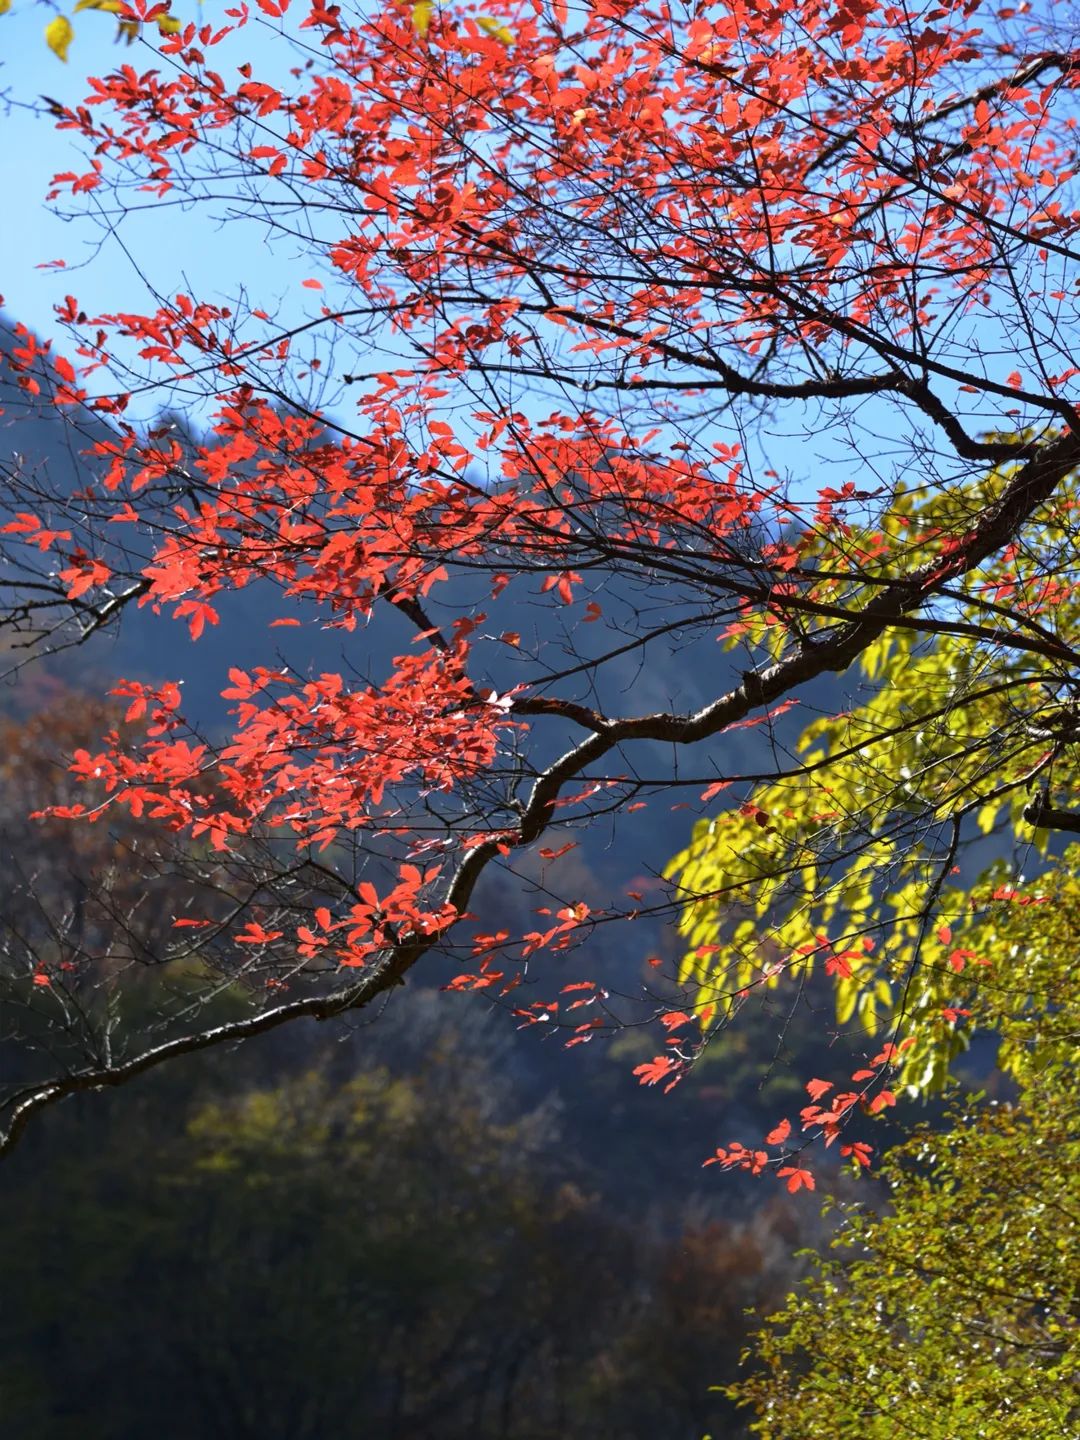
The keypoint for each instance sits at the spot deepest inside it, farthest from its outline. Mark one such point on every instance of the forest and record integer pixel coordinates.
(540, 629)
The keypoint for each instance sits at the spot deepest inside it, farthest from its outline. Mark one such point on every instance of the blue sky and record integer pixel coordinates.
(178, 250)
(169, 244)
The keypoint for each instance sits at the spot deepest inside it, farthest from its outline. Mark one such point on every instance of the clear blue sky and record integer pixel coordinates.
(179, 251)
(169, 244)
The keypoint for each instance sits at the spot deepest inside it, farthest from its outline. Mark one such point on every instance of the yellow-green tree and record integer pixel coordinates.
(955, 1310)
(864, 857)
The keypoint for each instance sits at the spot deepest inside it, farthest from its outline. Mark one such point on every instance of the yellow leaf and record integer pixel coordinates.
(5, 6)
(421, 16)
(129, 29)
(112, 7)
(495, 29)
(168, 25)
(59, 35)
(847, 997)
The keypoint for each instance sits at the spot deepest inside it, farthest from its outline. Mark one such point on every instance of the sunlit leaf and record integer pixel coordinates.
(421, 16)
(58, 36)
(495, 29)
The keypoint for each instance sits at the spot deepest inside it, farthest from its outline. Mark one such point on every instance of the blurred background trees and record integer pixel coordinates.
(357, 1241)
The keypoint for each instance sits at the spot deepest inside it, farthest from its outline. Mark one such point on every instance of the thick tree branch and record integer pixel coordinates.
(1040, 814)
(1030, 488)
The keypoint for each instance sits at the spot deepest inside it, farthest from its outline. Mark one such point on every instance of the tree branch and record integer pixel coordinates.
(1030, 487)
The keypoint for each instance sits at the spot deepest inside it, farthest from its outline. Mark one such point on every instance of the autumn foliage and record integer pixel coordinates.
(562, 274)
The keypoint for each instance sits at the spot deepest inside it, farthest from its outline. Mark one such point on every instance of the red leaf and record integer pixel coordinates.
(797, 1178)
(675, 1019)
(657, 1069)
(779, 1134)
(860, 1152)
(715, 789)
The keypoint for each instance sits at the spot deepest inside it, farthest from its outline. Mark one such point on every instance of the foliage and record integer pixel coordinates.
(556, 270)
(957, 1310)
(86, 913)
(361, 1244)
(60, 32)
(861, 859)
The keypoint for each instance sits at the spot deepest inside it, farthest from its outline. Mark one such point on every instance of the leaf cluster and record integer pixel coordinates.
(955, 1308)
